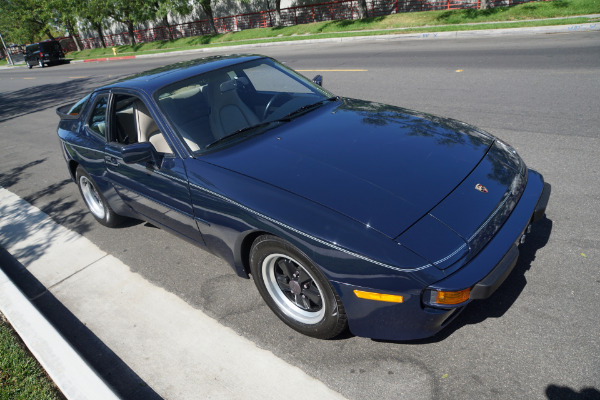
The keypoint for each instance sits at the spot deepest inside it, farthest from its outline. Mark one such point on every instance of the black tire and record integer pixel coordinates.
(295, 289)
(94, 200)
(29, 65)
(40, 63)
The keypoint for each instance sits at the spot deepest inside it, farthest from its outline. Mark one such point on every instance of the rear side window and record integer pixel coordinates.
(77, 107)
(33, 48)
(97, 121)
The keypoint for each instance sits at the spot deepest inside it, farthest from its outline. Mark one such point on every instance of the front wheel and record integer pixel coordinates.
(295, 289)
(94, 200)
(29, 65)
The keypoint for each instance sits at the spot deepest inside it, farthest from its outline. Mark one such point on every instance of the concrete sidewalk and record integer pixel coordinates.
(168, 348)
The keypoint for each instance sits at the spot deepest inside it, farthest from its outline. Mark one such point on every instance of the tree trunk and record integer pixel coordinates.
(100, 33)
(165, 21)
(72, 33)
(130, 32)
(77, 42)
(47, 32)
(362, 9)
(206, 7)
(278, 13)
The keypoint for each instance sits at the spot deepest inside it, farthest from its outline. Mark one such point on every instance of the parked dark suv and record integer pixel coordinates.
(43, 53)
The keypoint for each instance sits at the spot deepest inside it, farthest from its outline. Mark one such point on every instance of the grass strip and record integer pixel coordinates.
(21, 377)
(413, 22)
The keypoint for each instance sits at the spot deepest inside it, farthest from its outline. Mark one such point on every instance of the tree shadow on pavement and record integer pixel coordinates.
(38, 98)
(17, 174)
(60, 209)
(110, 367)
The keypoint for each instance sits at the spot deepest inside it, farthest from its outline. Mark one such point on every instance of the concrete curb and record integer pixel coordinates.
(109, 58)
(73, 376)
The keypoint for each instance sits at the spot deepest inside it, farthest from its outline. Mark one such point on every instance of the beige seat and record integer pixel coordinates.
(147, 129)
(228, 112)
(189, 115)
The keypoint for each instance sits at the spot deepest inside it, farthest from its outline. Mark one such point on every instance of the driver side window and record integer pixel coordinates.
(133, 123)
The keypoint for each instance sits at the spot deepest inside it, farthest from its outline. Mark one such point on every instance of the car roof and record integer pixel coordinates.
(41, 42)
(151, 80)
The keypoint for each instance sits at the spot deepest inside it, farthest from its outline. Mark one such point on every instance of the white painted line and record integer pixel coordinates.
(178, 350)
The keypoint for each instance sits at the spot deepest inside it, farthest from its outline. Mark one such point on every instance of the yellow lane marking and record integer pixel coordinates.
(77, 77)
(29, 78)
(332, 70)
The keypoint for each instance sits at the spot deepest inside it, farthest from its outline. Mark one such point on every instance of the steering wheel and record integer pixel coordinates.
(273, 101)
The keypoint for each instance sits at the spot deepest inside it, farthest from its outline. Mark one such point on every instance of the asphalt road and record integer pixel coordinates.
(537, 337)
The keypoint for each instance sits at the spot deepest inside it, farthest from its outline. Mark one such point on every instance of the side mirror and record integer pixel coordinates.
(139, 152)
(318, 80)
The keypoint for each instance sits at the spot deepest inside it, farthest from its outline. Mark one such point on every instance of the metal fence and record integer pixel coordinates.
(331, 11)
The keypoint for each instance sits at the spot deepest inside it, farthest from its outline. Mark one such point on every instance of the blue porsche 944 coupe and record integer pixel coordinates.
(346, 213)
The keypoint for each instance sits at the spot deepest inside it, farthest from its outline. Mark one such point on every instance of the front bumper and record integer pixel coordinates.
(411, 319)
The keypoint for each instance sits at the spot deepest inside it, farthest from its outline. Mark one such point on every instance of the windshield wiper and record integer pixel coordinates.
(308, 107)
(238, 132)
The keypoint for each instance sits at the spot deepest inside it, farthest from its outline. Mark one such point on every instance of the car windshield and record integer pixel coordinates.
(242, 100)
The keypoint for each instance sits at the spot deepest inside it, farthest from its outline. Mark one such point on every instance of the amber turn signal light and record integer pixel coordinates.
(455, 297)
(390, 298)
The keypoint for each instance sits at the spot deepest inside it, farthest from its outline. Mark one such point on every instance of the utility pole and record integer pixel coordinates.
(7, 52)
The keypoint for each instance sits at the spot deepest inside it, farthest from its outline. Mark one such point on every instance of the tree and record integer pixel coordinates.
(163, 8)
(24, 21)
(129, 12)
(95, 13)
(277, 13)
(207, 8)
(72, 32)
(362, 9)
(65, 13)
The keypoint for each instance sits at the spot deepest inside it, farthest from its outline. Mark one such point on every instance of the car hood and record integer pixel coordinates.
(380, 165)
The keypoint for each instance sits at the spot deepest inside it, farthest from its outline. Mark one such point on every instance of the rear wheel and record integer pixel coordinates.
(295, 289)
(40, 63)
(94, 200)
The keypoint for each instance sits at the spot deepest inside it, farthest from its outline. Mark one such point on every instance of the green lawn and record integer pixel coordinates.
(21, 377)
(426, 21)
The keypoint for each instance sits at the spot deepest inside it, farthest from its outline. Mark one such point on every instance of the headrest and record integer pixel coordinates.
(233, 84)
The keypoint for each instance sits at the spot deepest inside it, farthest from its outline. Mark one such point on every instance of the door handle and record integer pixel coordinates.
(111, 160)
